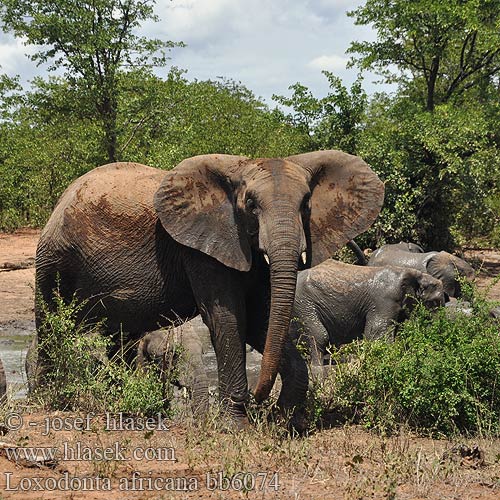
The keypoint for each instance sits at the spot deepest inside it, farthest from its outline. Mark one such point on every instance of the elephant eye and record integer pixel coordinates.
(250, 204)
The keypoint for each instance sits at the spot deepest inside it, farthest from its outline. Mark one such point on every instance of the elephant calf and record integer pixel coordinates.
(157, 345)
(3, 382)
(336, 303)
(441, 265)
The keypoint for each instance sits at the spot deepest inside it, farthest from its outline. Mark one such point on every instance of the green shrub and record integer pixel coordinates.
(79, 376)
(440, 376)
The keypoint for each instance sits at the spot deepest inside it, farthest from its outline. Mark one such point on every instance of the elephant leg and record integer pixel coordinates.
(294, 382)
(309, 331)
(197, 381)
(48, 282)
(318, 340)
(221, 303)
(294, 378)
(380, 326)
(194, 374)
(292, 367)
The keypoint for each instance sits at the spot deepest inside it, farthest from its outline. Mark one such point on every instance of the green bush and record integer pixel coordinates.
(79, 376)
(440, 376)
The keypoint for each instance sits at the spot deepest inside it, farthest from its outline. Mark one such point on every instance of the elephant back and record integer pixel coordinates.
(400, 258)
(107, 198)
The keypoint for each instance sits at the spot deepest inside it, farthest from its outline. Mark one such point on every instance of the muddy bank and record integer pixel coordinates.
(15, 337)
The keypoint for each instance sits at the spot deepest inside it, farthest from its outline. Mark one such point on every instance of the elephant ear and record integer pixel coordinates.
(436, 264)
(196, 207)
(439, 266)
(411, 287)
(346, 198)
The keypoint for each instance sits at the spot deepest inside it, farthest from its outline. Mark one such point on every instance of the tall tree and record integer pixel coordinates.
(444, 55)
(330, 122)
(92, 40)
(449, 46)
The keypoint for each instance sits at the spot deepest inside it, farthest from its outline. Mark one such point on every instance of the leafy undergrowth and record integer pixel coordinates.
(439, 377)
(78, 374)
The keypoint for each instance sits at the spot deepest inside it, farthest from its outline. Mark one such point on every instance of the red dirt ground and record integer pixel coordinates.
(340, 463)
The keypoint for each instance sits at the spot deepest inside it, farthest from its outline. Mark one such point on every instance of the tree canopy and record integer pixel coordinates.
(91, 40)
(446, 47)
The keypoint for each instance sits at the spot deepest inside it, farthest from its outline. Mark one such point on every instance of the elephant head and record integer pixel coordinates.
(286, 211)
(449, 268)
(422, 287)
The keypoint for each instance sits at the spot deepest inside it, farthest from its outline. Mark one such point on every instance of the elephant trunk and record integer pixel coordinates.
(283, 260)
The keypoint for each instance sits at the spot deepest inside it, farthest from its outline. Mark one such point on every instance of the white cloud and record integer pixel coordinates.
(193, 21)
(268, 46)
(13, 54)
(330, 63)
(265, 45)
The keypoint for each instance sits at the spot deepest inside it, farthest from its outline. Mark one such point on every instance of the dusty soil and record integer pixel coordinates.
(17, 274)
(188, 460)
(487, 262)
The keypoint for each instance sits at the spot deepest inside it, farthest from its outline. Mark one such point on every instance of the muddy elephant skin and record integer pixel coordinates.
(442, 265)
(403, 246)
(219, 235)
(159, 346)
(336, 303)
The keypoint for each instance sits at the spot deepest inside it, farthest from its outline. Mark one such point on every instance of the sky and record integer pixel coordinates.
(267, 45)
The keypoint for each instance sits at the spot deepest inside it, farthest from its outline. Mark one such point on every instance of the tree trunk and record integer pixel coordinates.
(431, 84)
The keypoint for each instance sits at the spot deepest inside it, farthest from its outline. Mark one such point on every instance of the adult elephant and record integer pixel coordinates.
(220, 235)
(3, 382)
(442, 265)
(336, 303)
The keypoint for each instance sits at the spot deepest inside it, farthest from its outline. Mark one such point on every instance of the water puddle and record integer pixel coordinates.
(15, 337)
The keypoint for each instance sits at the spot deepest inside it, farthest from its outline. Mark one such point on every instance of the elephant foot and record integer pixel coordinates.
(294, 420)
(299, 423)
(240, 423)
(232, 424)
(234, 412)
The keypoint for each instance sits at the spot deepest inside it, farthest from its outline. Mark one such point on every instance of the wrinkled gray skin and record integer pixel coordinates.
(405, 246)
(218, 235)
(157, 347)
(442, 265)
(336, 303)
(361, 256)
(3, 382)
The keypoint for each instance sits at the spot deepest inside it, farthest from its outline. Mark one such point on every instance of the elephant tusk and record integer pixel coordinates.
(267, 258)
(304, 257)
